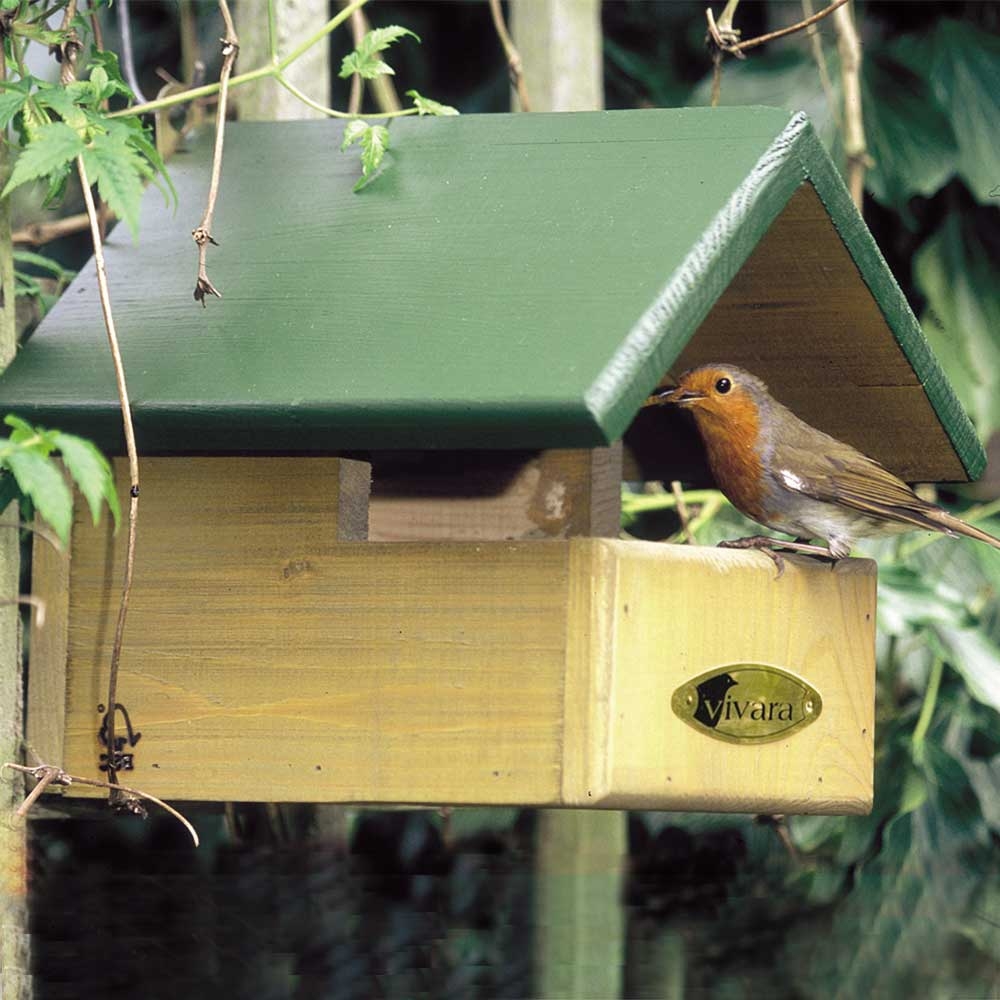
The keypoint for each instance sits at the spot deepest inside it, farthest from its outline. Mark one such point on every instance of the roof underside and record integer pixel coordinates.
(508, 281)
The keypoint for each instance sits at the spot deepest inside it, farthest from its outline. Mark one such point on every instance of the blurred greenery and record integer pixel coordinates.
(905, 902)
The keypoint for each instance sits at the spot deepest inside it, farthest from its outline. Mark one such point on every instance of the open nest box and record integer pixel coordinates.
(479, 326)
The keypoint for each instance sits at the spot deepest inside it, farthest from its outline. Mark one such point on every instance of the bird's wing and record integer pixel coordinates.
(844, 476)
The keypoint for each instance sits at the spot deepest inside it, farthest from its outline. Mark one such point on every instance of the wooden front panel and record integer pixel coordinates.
(680, 611)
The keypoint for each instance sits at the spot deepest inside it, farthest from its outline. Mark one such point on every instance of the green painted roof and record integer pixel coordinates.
(507, 281)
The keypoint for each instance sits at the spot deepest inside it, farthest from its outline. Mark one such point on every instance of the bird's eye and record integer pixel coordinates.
(723, 386)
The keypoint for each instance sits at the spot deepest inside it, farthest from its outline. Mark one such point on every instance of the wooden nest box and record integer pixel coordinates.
(472, 334)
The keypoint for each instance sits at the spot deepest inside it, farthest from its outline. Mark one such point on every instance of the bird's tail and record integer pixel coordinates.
(956, 526)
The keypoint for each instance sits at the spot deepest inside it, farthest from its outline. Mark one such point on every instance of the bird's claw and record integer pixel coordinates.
(762, 543)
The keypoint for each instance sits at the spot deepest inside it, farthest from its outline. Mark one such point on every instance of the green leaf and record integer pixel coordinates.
(353, 131)
(11, 101)
(364, 60)
(40, 479)
(425, 106)
(374, 140)
(955, 272)
(91, 472)
(53, 147)
(374, 143)
(139, 140)
(961, 61)
(976, 658)
(909, 135)
(118, 170)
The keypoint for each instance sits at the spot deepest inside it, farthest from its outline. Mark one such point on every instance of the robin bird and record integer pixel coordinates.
(781, 472)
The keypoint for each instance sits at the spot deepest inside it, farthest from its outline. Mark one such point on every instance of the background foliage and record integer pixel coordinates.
(903, 902)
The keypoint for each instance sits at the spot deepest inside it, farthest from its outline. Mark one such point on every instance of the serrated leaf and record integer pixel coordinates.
(364, 59)
(425, 106)
(138, 139)
(118, 171)
(353, 131)
(52, 147)
(11, 102)
(91, 472)
(108, 61)
(99, 82)
(374, 143)
(961, 282)
(366, 66)
(40, 479)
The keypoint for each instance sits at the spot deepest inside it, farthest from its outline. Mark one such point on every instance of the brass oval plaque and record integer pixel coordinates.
(747, 703)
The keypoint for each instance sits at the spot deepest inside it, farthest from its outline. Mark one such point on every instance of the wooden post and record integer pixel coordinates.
(580, 939)
(267, 100)
(14, 982)
(560, 46)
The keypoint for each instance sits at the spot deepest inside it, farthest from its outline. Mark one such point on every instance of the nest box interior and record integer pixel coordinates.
(478, 326)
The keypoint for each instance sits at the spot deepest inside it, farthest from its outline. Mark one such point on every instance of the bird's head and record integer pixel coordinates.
(721, 397)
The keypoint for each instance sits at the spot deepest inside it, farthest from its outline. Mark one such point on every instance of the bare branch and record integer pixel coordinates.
(513, 56)
(849, 47)
(37, 233)
(49, 774)
(203, 234)
(724, 38)
(35, 602)
(682, 512)
(133, 456)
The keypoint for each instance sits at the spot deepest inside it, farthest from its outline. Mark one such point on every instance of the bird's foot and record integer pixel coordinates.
(768, 545)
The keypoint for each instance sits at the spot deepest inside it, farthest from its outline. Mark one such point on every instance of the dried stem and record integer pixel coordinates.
(133, 459)
(682, 512)
(849, 47)
(816, 45)
(720, 41)
(260, 73)
(357, 84)
(37, 233)
(203, 234)
(382, 89)
(35, 602)
(514, 66)
(128, 54)
(49, 774)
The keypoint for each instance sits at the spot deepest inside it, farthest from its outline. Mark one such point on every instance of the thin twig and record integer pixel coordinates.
(128, 54)
(203, 234)
(133, 458)
(260, 73)
(37, 233)
(36, 602)
(36, 528)
(514, 66)
(751, 43)
(49, 774)
(816, 44)
(357, 83)
(855, 147)
(69, 49)
(682, 512)
(737, 47)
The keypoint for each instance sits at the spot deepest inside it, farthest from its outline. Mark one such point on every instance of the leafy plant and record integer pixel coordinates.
(59, 123)
(366, 62)
(30, 474)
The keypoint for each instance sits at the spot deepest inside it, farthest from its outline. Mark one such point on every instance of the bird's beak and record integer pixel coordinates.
(672, 394)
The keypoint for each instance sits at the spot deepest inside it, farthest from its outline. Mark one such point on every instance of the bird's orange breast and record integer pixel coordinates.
(732, 444)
